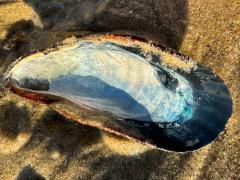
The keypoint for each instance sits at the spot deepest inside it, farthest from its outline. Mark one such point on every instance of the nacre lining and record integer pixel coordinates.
(107, 77)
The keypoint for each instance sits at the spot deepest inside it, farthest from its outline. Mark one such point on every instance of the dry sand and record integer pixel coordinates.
(36, 142)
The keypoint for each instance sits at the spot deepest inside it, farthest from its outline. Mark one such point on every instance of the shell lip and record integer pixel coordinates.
(12, 86)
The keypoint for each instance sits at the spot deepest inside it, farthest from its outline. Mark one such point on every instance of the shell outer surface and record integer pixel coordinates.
(128, 87)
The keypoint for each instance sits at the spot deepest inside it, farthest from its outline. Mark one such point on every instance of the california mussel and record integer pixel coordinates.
(128, 87)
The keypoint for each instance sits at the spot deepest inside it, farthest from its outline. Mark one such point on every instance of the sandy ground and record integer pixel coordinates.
(36, 142)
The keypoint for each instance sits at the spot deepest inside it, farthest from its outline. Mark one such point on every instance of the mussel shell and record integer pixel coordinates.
(212, 106)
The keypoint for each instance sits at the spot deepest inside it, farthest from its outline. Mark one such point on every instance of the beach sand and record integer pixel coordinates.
(36, 142)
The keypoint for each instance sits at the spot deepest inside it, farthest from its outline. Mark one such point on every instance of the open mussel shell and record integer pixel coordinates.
(128, 87)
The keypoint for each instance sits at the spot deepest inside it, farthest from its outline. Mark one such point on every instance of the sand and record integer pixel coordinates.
(36, 142)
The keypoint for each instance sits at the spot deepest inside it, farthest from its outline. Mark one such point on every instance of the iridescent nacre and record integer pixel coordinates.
(130, 88)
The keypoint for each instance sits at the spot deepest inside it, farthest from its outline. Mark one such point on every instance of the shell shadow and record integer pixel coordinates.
(59, 134)
(15, 43)
(13, 120)
(82, 86)
(150, 164)
(15, 127)
(29, 173)
(160, 21)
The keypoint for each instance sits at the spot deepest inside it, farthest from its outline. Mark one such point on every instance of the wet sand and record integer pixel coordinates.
(37, 142)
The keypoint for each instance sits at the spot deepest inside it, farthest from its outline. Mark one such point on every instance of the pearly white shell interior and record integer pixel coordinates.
(106, 77)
